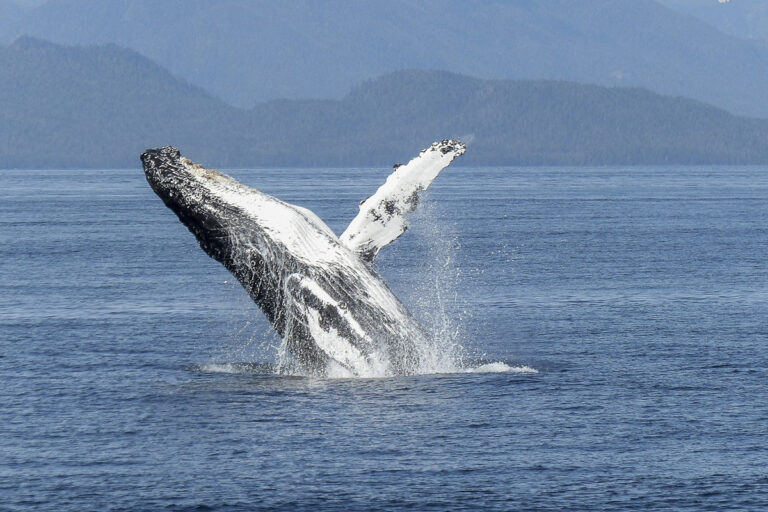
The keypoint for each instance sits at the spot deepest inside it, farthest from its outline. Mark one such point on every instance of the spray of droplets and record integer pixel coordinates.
(424, 272)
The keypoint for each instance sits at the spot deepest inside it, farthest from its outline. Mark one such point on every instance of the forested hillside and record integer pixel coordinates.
(246, 51)
(102, 106)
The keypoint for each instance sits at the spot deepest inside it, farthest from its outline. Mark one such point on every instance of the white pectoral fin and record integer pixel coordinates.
(382, 216)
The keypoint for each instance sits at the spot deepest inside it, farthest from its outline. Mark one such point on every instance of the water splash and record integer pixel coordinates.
(432, 290)
(499, 367)
(428, 285)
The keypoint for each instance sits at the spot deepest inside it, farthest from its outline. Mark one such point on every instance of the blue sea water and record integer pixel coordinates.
(133, 371)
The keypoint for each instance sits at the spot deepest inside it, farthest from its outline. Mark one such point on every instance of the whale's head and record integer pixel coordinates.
(201, 199)
(179, 182)
(259, 238)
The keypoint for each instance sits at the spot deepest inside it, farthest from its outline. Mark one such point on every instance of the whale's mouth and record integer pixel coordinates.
(274, 370)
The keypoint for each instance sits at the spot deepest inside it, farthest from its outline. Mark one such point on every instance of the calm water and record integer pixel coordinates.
(639, 295)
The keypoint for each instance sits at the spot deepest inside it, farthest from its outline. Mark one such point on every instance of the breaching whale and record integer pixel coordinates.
(320, 292)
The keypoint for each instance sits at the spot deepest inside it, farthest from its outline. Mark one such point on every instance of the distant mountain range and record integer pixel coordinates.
(255, 50)
(90, 107)
(64, 107)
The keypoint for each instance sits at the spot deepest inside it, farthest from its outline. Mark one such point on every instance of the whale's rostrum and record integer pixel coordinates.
(319, 292)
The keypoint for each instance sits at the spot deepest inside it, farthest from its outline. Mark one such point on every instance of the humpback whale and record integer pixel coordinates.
(319, 291)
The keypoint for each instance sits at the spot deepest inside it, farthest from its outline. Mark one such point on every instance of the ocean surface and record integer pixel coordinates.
(614, 325)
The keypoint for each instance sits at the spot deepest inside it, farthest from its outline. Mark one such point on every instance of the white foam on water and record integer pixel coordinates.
(221, 368)
(335, 370)
(500, 367)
